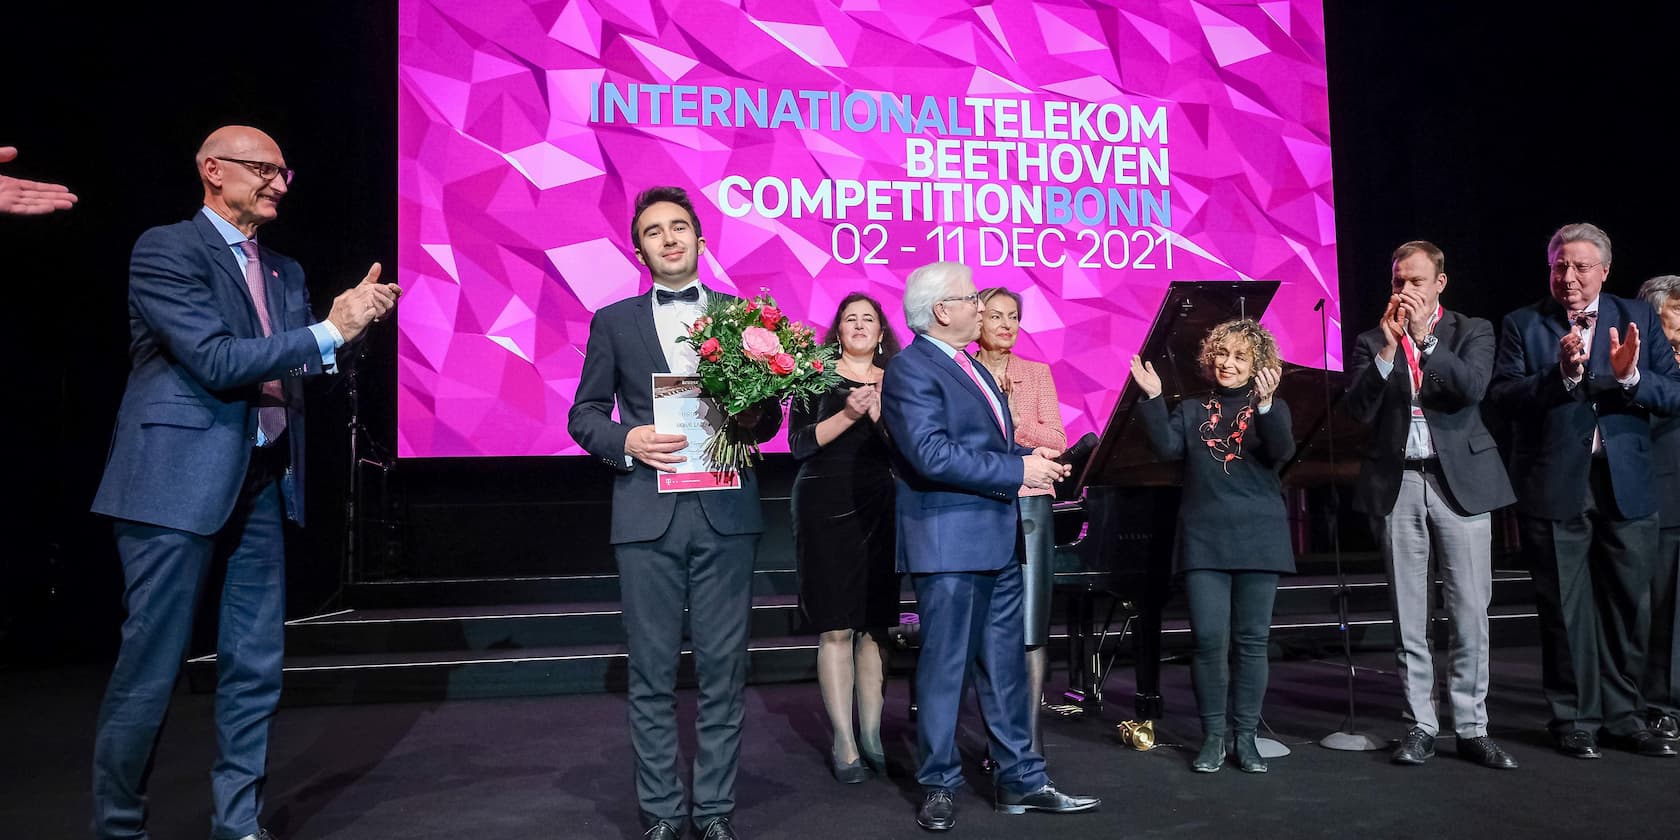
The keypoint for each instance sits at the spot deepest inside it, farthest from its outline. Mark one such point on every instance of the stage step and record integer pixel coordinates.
(388, 654)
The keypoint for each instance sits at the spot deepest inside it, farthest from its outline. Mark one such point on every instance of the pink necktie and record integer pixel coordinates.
(271, 407)
(968, 367)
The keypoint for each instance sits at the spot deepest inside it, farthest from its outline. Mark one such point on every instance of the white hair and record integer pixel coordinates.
(924, 287)
(1657, 290)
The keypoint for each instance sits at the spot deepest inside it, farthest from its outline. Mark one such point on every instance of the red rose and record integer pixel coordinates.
(817, 365)
(710, 350)
(781, 364)
(770, 316)
(752, 305)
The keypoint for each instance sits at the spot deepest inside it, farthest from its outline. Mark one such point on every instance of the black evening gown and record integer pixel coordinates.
(843, 520)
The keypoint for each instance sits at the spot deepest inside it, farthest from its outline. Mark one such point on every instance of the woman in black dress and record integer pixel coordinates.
(1233, 531)
(843, 531)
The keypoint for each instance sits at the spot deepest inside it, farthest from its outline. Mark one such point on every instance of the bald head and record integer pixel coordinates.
(230, 165)
(236, 141)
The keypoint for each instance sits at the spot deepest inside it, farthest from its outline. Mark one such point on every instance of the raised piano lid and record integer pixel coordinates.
(1191, 308)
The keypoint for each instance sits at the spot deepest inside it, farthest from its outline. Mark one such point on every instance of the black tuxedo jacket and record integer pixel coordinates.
(622, 355)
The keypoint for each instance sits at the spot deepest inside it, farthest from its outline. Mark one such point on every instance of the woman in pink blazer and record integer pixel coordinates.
(1038, 422)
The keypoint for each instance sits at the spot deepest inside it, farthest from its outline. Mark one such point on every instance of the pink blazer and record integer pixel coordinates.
(1032, 404)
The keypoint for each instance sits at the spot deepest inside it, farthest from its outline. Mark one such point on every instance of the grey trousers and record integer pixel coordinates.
(1423, 517)
(710, 573)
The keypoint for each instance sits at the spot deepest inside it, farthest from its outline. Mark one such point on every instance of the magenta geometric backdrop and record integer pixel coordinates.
(1083, 154)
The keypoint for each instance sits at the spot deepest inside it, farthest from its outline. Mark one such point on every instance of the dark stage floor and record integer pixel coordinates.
(560, 767)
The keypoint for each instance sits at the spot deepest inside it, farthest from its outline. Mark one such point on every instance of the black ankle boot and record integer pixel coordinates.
(1212, 756)
(1248, 754)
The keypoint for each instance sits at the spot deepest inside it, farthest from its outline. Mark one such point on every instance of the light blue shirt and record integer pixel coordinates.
(327, 337)
(952, 353)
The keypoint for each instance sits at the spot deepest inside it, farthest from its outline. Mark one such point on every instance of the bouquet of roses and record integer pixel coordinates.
(751, 352)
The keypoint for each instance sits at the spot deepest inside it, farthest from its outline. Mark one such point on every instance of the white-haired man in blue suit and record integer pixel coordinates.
(958, 472)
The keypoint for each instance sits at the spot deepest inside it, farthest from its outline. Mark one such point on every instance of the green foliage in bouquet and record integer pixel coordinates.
(751, 352)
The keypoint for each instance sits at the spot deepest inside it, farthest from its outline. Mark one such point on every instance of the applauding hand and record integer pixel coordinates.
(1143, 373)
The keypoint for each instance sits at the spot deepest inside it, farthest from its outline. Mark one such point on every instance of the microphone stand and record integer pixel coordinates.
(360, 440)
(1349, 737)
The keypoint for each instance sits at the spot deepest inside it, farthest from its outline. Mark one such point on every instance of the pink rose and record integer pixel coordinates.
(710, 350)
(781, 364)
(700, 325)
(817, 365)
(770, 316)
(759, 343)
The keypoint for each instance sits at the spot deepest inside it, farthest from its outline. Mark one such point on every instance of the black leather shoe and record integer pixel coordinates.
(1485, 752)
(1046, 799)
(719, 829)
(1417, 747)
(1644, 742)
(1665, 725)
(939, 810)
(1577, 743)
(662, 831)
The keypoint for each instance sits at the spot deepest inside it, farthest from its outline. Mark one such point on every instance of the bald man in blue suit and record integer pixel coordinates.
(206, 462)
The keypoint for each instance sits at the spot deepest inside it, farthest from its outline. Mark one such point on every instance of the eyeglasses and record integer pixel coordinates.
(1561, 268)
(263, 168)
(972, 298)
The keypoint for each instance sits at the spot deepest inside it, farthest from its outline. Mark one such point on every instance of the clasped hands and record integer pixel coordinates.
(1406, 314)
(1624, 355)
(864, 399)
(363, 304)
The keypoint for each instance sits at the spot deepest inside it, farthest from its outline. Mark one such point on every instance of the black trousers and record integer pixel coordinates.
(1661, 682)
(1592, 578)
(711, 573)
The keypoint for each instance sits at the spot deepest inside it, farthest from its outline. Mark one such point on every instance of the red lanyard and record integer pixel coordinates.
(1412, 353)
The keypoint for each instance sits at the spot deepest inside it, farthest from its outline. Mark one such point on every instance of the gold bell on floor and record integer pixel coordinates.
(1137, 734)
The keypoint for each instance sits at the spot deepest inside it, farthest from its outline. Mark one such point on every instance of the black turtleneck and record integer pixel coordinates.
(1232, 517)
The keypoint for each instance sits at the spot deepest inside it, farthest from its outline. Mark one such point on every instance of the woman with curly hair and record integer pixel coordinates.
(1233, 531)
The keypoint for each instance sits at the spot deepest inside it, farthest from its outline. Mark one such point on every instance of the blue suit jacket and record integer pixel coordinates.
(958, 473)
(622, 356)
(188, 419)
(1553, 427)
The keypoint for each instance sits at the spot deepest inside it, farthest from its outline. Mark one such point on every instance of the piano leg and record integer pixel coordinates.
(1146, 642)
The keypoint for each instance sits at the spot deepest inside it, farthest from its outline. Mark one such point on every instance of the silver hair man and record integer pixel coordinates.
(924, 288)
(1580, 232)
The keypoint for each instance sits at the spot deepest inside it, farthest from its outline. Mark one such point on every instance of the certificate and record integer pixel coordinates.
(680, 409)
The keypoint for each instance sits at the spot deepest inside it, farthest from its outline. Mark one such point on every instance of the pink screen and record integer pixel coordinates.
(1083, 155)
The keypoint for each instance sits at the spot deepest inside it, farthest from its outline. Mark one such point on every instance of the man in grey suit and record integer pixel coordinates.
(1430, 477)
(206, 462)
(672, 549)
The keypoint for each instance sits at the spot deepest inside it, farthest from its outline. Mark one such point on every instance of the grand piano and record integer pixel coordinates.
(1116, 515)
